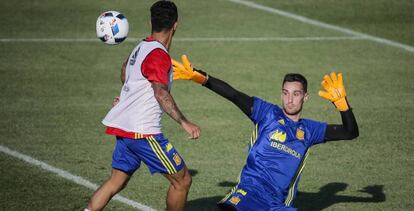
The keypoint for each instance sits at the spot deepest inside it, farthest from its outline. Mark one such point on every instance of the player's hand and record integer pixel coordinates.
(192, 129)
(334, 91)
(185, 71)
(115, 101)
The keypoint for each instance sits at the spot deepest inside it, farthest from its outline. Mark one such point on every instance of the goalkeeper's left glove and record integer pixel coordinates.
(335, 91)
(185, 71)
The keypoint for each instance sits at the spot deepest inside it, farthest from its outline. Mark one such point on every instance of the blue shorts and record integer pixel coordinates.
(156, 152)
(243, 199)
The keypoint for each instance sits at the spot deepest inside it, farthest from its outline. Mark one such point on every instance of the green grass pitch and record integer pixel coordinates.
(54, 94)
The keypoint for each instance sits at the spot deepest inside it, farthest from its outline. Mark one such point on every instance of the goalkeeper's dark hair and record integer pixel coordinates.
(296, 77)
(163, 15)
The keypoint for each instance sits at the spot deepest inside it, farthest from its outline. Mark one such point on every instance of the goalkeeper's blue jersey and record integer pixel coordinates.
(277, 153)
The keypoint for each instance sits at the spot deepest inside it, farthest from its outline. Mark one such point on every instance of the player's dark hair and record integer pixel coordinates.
(296, 77)
(163, 15)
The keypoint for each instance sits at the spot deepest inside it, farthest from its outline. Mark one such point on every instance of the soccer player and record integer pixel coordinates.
(135, 117)
(281, 139)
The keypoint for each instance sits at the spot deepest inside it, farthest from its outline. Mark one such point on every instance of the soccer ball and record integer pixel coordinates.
(112, 27)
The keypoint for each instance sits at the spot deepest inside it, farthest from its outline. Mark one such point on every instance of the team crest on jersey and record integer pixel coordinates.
(278, 136)
(234, 200)
(281, 121)
(300, 134)
(177, 159)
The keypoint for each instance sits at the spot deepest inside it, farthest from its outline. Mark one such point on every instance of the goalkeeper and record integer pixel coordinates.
(281, 139)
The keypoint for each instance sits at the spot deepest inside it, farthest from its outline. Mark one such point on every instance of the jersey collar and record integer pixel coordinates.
(150, 38)
(292, 123)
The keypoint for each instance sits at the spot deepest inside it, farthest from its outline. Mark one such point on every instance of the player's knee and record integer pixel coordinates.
(187, 181)
(183, 183)
(117, 185)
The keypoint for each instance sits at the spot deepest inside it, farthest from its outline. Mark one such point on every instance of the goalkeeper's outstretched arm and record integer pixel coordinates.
(335, 93)
(185, 71)
(347, 131)
(240, 99)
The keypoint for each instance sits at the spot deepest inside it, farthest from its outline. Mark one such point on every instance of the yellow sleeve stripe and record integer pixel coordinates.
(253, 138)
(161, 155)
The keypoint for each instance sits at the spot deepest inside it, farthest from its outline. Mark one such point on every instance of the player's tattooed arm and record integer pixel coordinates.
(167, 102)
(169, 106)
(123, 69)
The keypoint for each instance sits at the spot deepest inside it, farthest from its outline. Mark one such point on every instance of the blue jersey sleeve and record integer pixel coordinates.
(317, 130)
(260, 109)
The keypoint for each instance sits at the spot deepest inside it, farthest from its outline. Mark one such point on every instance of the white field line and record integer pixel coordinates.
(189, 39)
(66, 175)
(266, 39)
(323, 25)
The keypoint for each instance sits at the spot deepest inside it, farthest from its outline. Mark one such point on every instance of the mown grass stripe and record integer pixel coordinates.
(71, 177)
(323, 25)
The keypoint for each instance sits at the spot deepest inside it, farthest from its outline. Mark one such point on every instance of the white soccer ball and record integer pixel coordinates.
(112, 27)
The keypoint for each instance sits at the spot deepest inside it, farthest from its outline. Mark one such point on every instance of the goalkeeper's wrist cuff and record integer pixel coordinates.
(342, 104)
(200, 77)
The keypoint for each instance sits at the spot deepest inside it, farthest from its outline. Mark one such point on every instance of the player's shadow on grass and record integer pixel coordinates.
(326, 197)
(203, 204)
(193, 172)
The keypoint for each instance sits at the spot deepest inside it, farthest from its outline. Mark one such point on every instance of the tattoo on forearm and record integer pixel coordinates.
(123, 71)
(167, 102)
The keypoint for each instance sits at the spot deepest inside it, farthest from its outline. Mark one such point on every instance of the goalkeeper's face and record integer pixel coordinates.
(293, 97)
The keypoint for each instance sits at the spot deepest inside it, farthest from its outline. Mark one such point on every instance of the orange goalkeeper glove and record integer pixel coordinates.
(334, 91)
(185, 71)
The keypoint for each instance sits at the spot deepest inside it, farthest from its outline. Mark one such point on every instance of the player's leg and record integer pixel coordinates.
(180, 183)
(124, 163)
(161, 157)
(112, 186)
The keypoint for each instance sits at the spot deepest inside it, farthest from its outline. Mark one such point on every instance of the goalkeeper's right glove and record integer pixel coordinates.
(185, 71)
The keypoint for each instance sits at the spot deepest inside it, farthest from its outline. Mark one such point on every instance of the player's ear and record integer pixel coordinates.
(175, 26)
(306, 98)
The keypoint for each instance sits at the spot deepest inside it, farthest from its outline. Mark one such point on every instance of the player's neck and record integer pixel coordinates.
(164, 38)
(294, 117)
